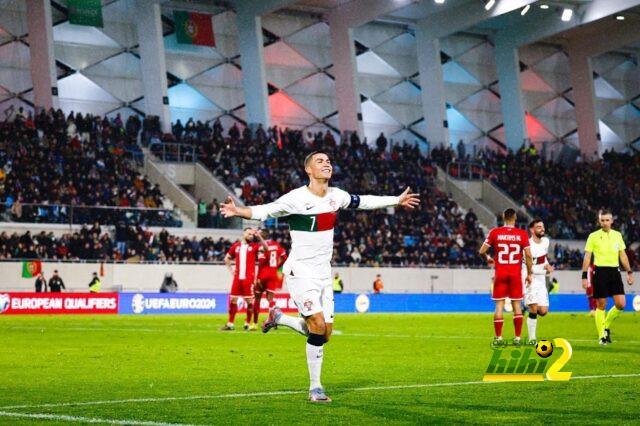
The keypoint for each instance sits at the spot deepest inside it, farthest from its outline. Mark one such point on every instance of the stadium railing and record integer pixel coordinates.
(80, 214)
(174, 152)
(467, 170)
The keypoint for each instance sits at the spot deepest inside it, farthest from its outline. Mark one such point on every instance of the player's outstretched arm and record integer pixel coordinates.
(409, 199)
(370, 202)
(229, 209)
(280, 207)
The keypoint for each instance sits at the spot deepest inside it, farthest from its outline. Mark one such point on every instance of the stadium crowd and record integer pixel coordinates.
(137, 244)
(125, 243)
(262, 168)
(85, 160)
(60, 162)
(566, 197)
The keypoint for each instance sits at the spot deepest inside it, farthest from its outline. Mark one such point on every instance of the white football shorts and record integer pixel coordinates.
(312, 296)
(536, 293)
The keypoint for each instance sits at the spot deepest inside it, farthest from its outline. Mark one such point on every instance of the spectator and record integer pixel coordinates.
(214, 214)
(202, 213)
(41, 283)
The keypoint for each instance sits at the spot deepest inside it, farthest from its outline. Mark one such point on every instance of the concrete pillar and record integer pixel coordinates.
(42, 58)
(585, 104)
(345, 71)
(153, 65)
(254, 77)
(432, 84)
(508, 67)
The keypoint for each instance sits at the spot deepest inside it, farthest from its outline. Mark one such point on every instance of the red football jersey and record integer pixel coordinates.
(508, 244)
(245, 256)
(271, 258)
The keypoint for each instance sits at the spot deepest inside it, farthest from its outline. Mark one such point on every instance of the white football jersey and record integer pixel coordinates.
(539, 253)
(311, 221)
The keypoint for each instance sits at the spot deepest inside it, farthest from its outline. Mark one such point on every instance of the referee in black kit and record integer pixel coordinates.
(607, 246)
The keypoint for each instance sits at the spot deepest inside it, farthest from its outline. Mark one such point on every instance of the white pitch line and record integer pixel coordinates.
(87, 419)
(215, 330)
(280, 393)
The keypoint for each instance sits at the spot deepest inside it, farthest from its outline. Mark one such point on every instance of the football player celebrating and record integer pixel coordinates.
(312, 211)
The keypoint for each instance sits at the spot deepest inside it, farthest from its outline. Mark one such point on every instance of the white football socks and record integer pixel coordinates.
(297, 324)
(532, 323)
(315, 355)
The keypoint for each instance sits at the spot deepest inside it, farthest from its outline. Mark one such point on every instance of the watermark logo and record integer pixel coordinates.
(527, 361)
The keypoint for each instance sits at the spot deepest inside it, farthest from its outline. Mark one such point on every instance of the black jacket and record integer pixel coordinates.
(55, 284)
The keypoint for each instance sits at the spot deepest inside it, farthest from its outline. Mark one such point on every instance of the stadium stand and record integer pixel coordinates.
(128, 243)
(567, 198)
(260, 169)
(58, 169)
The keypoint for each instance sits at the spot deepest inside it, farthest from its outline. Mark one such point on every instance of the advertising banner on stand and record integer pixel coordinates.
(58, 303)
(173, 303)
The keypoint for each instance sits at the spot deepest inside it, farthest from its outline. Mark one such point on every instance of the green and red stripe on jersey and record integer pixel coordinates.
(312, 222)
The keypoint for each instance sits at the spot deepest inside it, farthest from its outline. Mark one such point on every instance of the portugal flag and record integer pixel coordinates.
(193, 28)
(31, 269)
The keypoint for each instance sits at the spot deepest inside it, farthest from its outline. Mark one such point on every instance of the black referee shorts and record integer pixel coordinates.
(607, 282)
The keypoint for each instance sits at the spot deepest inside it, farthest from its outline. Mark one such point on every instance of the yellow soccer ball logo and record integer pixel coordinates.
(544, 348)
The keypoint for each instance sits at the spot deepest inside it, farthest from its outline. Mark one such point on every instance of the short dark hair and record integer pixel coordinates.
(308, 158)
(248, 227)
(605, 211)
(534, 221)
(509, 214)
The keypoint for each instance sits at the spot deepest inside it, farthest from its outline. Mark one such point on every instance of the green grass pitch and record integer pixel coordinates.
(391, 369)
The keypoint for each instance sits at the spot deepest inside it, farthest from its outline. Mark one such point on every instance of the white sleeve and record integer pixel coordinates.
(547, 244)
(281, 207)
(366, 202)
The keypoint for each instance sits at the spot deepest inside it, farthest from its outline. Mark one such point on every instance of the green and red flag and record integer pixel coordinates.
(193, 28)
(31, 269)
(85, 12)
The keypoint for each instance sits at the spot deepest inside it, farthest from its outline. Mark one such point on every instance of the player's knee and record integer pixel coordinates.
(620, 305)
(542, 312)
(602, 303)
(316, 324)
(316, 339)
(234, 300)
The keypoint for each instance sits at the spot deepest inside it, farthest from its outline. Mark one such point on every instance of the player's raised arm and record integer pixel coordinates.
(369, 202)
(276, 209)
(229, 209)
